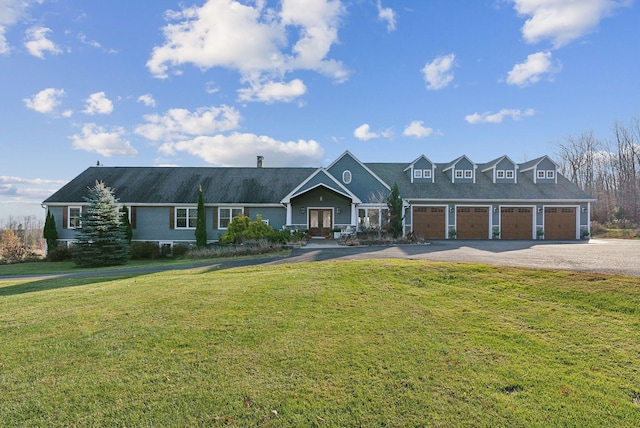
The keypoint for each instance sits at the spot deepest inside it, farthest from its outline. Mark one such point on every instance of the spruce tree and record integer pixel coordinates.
(201, 223)
(126, 224)
(394, 202)
(101, 240)
(50, 232)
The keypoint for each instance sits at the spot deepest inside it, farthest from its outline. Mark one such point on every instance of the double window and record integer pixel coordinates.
(226, 215)
(371, 218)
(549, 174)
(504, 173)
(422, 173)
(186, 218)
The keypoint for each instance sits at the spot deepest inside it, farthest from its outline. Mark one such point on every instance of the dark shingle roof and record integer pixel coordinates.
(177, 185)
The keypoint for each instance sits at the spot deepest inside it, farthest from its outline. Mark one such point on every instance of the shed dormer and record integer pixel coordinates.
(501, 170)
(421, 170)
(541, 170)
(461, 170)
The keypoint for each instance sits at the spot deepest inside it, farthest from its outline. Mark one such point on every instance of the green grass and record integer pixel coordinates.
(374, 343)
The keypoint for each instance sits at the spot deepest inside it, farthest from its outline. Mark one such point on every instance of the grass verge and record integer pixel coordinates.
(375, 343)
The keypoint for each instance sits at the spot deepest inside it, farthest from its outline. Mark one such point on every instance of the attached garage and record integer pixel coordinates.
(429, 222)
(472, 222)
(516, 223)
(560, 223)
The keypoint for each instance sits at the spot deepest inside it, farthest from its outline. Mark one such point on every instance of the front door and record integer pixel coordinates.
(320, 222)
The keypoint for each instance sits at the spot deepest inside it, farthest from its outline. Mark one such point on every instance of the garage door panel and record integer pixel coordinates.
(516, 223)
(472, 222)
(429, 222)
(560, 223)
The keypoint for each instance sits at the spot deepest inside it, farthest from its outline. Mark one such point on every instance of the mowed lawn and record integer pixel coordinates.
(374, 343)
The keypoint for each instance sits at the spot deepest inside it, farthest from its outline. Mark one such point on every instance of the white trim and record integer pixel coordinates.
(175, 217)
(344, 180)
(373, 174)
(295, 192)
(79, 217)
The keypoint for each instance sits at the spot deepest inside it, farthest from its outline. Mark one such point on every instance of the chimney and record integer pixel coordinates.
(260, 159)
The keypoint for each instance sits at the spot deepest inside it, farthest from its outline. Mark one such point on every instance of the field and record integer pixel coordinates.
(374, 343)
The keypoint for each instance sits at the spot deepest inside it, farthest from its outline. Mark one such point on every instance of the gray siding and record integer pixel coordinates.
(363, 184)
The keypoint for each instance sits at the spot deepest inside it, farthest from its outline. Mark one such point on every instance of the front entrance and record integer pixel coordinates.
(320, 222)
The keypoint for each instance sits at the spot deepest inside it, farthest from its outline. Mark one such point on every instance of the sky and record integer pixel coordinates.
(218, 82)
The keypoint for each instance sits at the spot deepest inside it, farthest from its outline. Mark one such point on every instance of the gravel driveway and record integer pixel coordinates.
(615, 256)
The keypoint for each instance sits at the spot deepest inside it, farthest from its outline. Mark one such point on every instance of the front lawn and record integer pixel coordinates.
(369, 343)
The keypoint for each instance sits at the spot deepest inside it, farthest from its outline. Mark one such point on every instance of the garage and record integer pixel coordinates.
(560, 223)
(472, 222)
(429, 222)
(516, 223)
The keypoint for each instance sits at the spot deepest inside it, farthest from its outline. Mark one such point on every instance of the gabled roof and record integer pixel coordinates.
(415, 161)
(373, 174)
(532, 164)
(179, 185)
(492, 164)
(452, 164)
(326, 180)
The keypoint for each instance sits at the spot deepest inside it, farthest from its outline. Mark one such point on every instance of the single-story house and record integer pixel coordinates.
(461, 199)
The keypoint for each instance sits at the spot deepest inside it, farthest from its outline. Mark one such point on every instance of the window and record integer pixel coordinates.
(417, 173)
(370, 218)
(500, 173)
(541, 173)
(426, 173)
(74, 217)
(226, 215)
(551, 174)
(346, 176)
(186, 218)
(468, 173)
(458, 173)
(509, 173)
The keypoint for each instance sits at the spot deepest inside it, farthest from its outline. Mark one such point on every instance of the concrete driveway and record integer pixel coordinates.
(615, 256)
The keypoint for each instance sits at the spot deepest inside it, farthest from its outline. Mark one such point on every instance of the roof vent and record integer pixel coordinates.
(260, 160)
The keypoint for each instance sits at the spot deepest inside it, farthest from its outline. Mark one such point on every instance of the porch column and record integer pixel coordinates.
(354, 215)
(288, 223)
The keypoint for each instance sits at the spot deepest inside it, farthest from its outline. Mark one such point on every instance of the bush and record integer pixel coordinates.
(144, 251)
(233, 250)
(61, 253)
(179, 250)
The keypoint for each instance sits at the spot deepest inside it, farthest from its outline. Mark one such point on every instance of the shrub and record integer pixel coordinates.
(60, 253)
(179, 250)
(144, 250)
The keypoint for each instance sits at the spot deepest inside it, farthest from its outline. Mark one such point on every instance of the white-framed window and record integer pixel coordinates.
(186, 218)
(75, 214)
(426, 173)
(551, 174)
(225, 215)
(541, 173)
(468, 173)
(417, 173)
(500, 173)
(370, 218)
(509, 173)
(346, 176)
(459, 173)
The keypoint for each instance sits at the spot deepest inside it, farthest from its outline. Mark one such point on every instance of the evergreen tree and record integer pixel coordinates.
(126, 224)
(50, 232)
(101, 240)
(201, 223)
(394, 202)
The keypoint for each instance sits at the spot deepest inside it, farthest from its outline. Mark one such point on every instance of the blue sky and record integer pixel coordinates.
(218, 82)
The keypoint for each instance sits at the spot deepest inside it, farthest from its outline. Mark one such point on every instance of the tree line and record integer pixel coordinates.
(607, 169)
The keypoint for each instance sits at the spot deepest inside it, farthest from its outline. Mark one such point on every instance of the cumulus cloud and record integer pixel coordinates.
(182, 123)
(11, 11)
(4, 46)
(363, 132)
(252, 39)
(147, 100)
(387, 15)
(537, 66)
(94, 138)
(273, 91)
(37, 42)
(438, 72)
(98, 103)
(498, 117)
(563, 21)
(45, 101)
(417, 129)
(239, 150)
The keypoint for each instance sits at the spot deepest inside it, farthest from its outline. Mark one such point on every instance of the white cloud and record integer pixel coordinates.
(10, 180)
(240, 150)
(387, 15)
(45, 101)
(273, 91)
(147, 100)
(4, 46)
(563, 21)
(37, 43)
(417, 129)
(98, 103)
(438, 72)
(363, 132)
(533, 69)
(97, 139)
(498, 117)
(11, 11)
(182, 124)
(254, 40)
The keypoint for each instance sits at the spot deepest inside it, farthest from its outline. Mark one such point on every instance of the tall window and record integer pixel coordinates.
(74, 217)
(226, 215)
(186, 218)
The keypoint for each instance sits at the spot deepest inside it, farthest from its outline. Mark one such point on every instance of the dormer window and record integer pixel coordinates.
(509, 173)
(417, 173)
(541, 173)
(426, 173)
(346, 177)
(500, 174)
(550, 174)
(468, 173)
(458, 173)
